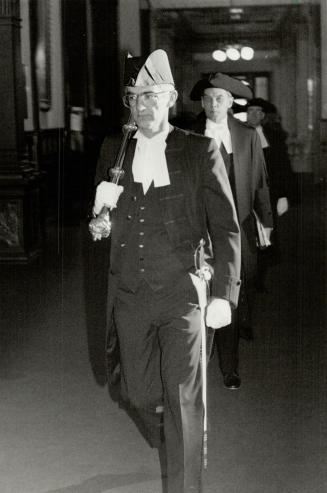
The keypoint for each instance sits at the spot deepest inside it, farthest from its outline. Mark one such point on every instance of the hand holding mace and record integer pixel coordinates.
(100, 226)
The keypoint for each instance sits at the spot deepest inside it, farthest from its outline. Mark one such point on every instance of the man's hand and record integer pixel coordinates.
(282, 206)
(100, 226)
(107, 194)
(219, 313)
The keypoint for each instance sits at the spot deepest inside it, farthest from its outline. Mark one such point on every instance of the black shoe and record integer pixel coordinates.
(232, 381)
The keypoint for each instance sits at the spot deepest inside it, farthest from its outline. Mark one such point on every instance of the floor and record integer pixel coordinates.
(60, 430)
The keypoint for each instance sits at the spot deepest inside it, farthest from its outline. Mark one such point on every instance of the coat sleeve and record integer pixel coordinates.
(222, 225)
(278, 163)
(103, 164)
(262, 205)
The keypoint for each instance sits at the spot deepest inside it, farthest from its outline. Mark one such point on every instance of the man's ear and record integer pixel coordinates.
(202, 102)
(172, 98)
(231, 101)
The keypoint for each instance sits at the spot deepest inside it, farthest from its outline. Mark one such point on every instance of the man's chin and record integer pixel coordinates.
(146, 125)
(145, 121)
(216, 117)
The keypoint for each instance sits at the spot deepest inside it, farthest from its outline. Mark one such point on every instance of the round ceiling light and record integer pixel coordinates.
(219, 55)
(247, 53)
(233, 54)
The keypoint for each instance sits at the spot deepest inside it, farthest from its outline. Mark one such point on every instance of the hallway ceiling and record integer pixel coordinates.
(190, 4)
(202, 28)
(209, 23)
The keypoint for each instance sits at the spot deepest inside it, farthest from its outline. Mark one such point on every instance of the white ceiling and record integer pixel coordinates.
(189, 4)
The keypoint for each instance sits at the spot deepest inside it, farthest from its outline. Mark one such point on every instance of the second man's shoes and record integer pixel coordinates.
(232, 381)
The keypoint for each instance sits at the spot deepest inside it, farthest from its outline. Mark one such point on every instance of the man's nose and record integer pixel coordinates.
(139, 102)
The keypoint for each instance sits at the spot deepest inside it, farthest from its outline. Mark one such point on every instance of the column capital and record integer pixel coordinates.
(9, 8)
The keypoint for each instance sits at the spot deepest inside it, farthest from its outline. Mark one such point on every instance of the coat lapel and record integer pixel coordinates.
(237, 152)
(172, 196)
(127, 183)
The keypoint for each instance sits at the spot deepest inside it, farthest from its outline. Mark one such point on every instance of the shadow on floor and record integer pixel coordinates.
(106, 482)
(95, 262)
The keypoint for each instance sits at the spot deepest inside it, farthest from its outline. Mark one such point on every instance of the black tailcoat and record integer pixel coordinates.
(281, 177)
(199, 199)
(251, 185)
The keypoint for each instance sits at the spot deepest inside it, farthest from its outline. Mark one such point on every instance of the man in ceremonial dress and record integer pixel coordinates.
(174, 192)
(263, 116)
(244, 161)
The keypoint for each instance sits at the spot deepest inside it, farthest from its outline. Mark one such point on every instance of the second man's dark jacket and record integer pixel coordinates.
(251, 186)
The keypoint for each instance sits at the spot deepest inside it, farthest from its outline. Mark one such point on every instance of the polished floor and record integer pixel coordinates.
(60, 431)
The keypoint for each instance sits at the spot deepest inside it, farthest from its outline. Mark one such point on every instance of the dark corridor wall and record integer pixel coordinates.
(91, 58)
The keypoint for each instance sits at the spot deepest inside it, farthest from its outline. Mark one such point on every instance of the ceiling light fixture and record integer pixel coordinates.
(233, 52)
(219, 55)
(236, 10)
(247, 53)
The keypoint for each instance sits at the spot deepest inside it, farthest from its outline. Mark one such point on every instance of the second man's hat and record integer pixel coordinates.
(265, 106)
(221, 81)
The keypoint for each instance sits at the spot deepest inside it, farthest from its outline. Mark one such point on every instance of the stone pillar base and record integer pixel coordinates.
(21, 235)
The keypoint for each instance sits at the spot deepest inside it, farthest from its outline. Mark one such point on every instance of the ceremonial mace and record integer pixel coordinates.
(102, 221)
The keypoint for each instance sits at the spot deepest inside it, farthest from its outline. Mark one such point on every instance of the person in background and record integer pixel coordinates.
(263, 116)
(244, 161)
(174, 192)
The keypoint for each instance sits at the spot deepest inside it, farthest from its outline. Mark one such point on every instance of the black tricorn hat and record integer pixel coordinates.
(148, 70)
(221, 81)
(239, 108)
(266, 106)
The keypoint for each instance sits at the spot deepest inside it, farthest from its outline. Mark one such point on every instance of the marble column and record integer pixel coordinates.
(20, 237)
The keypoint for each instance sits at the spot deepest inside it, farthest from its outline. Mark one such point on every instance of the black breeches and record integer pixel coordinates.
(159, 336)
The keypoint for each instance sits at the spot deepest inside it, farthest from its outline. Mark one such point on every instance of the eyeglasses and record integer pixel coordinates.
(147, 98)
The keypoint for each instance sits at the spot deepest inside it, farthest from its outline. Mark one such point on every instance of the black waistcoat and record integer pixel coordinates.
(146, 251)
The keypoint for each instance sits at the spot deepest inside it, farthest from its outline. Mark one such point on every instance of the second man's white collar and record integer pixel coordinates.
(220, 132)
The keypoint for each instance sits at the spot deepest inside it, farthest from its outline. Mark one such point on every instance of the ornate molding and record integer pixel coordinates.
(9, 8)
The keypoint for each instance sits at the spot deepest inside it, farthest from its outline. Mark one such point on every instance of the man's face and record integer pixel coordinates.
(216, 103)
(150, 105)
(255, 115)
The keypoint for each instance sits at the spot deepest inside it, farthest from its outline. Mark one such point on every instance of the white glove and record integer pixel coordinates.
(107, 194)
(282, 206)
(219, 313)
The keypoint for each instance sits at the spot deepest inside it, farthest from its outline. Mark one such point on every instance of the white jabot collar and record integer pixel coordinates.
(149, 163)
(263, 140)
(220, 132)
